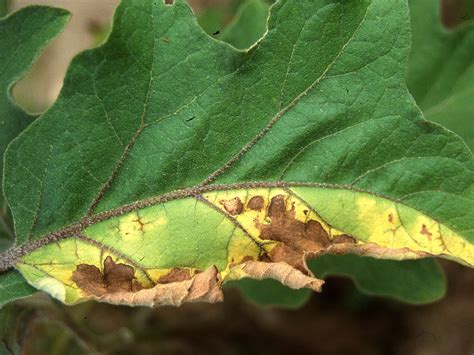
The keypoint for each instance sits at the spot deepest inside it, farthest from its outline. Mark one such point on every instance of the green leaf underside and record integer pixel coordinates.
(318, 113)
(270, 293)
(441, 69)
(412, 281)
(23, 37)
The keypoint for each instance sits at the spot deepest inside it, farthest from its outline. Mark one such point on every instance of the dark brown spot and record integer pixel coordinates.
(175, 275)
(426, 231)
(305, 212)
(277, 209)
(390, 218)
(114, 278)
(344, 238)
(284, 227)
(283, 253)
(297, 237)
(233, 206)
(256, 203)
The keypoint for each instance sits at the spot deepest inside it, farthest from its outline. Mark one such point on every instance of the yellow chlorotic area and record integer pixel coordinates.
(222, 228)
(388, 224)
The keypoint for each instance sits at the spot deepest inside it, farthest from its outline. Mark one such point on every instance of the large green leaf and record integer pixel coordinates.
(23, 36)
(172, 162)
(441, 69)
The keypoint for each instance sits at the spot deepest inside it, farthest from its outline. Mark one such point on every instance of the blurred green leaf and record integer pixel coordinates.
(269, 292)
(3, 8)
(441, 69)
(212, 20)
(411, 281)
(13, 325)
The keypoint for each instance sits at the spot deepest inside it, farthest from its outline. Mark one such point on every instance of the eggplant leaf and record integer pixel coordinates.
(172, 162)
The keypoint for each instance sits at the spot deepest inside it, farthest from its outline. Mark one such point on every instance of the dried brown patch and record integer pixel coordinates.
(285, 228)
(202, 287)
(175, 275)
(256, 203)
(281, 271)
(344, 238)
(298, 238)
(233, 206)
(115, 278)
(283, 253)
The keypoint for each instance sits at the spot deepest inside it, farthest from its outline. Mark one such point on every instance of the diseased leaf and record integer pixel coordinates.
(441, 69)
(412, 281)
(201, 164)
(23, 36)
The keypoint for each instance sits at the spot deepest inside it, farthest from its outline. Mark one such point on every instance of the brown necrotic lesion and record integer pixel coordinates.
(114, 278)
(233, 206)
(297, 238)
(256, 203)
(276, 219)
(119, 278)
